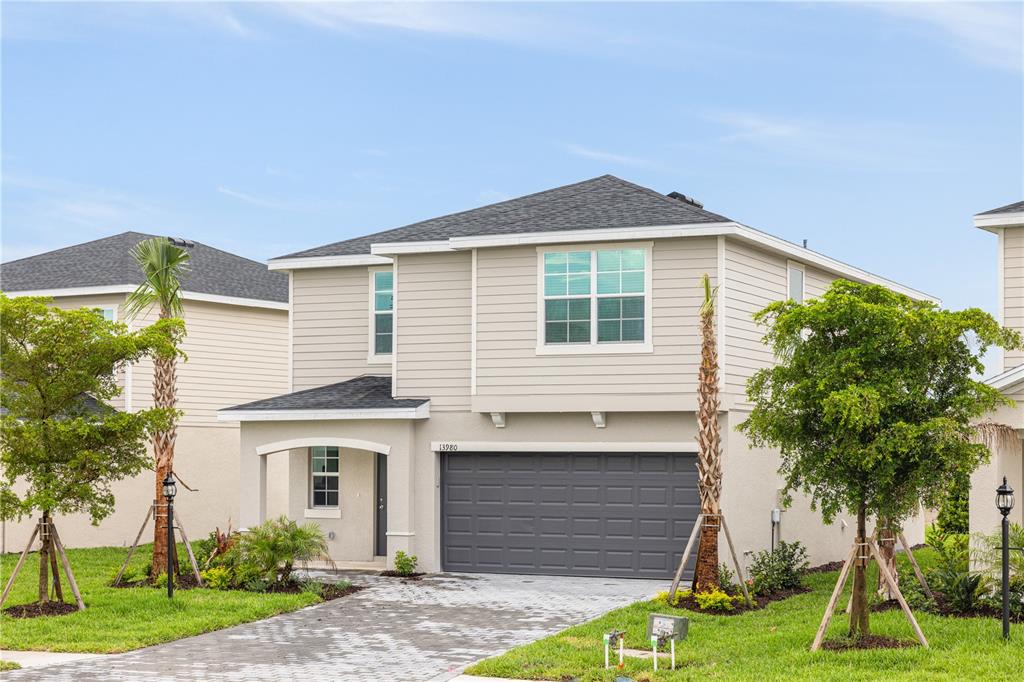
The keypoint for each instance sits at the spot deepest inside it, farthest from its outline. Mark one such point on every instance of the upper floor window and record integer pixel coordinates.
(108, 314)
(595, 300)
(382, 302)
(795, 282)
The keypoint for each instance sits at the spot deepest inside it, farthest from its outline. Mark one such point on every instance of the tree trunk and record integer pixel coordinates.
(58, 593)
(709, 463)
(164, 395)
(887, 548)
(859, 614)
(44, 559)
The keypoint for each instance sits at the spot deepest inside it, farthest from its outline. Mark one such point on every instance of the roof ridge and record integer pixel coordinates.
(71, 246)
(663, 197)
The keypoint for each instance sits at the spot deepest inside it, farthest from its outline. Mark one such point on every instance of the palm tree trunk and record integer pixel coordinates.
(709, 464)
(164, 395)
(859, 615)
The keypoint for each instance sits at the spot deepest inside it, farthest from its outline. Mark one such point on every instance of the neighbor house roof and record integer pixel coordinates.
(1015, 207)
(108, 262)
(601, 202)
(364, 397)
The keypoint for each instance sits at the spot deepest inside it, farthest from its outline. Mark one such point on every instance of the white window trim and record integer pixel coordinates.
(795, 265)
(372, 356)
(594, 348)
(311, 506)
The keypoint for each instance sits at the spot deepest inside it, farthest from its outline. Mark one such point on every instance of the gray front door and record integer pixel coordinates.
(588, 514)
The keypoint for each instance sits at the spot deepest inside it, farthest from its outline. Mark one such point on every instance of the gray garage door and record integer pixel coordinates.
(589, 514)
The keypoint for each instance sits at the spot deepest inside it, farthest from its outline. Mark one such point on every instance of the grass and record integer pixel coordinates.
(120, 619)
(9, 665)
(772, 644)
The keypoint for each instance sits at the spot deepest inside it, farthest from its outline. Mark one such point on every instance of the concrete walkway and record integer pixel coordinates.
(38, 659)
(394, 630)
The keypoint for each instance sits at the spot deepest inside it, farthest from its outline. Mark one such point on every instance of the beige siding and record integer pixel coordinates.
(115, 301)
(330, 326)
(434, 319)
(507, 359)
(1013, 288)
(817, 281)
(235, 355)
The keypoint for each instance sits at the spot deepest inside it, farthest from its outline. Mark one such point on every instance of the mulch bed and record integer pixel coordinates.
(330, 590)
(48, 608)
(396, 574)
(825, 568)
(869, 642)
(760, 601)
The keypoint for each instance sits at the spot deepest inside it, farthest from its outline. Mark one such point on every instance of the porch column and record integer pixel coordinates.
(252, 484)
(401, 465)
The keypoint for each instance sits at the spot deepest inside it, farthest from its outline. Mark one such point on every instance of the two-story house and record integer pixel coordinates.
(513, 388)
(1007, 223)
(236, 318)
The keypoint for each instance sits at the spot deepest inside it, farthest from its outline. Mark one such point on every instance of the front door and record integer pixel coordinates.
(381, 539)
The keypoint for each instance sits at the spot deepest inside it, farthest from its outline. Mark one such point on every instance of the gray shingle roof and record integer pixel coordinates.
(602, 202)
(1015, 207)
(108, 261)
(362, 393)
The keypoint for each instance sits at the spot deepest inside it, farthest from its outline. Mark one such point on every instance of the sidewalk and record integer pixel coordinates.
(38, 659)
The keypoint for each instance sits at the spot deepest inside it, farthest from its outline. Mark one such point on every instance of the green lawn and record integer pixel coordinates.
(772, 644)
(119, 619)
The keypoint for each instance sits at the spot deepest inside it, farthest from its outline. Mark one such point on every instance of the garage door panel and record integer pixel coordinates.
(599, 514)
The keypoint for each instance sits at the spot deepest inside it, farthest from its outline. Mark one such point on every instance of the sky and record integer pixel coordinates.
(874, 131)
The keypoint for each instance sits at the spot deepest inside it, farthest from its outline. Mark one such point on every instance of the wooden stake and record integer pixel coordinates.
(899, 595)
(840, 584)
(188, 549)
(131, 550)
(17, 566)
(686, 555)
(735, 561)
(57, 591)
(67, 567)
(916, 567)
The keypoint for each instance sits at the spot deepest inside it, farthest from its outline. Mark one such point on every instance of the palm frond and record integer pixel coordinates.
(708, 306)
(162, 264)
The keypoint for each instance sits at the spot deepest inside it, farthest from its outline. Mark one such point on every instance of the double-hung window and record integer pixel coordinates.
(382, 302)
(595, 300)
(324, 470)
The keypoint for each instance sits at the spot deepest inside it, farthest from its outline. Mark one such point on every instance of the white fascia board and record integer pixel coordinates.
(1007, 379)
(997, 220)
(598, 235)
(824, 262)
(326, 262)
(129, 288)
(556, 446)
(420, 412)
(397, 248)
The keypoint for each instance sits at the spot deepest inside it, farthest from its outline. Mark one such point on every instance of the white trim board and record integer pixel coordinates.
(298, 443)
(129, 288)
(995, 220)
(555, 446)
(421, 412)
(1007, 379)
(304, 262)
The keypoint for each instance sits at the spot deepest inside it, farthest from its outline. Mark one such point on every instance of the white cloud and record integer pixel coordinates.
(251, 199)
(989, 32)
(607, 157)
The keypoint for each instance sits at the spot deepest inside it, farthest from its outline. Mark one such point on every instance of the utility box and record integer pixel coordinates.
(667, 628)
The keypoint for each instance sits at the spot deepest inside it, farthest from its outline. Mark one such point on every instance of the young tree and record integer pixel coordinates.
(709, 446)
(871, 404)
(162, 263)
(62, 444)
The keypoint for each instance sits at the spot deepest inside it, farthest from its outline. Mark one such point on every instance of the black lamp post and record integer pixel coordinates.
(170, 490)
(1004, 502)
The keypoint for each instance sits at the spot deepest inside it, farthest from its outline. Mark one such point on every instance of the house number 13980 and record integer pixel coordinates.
(449, 447)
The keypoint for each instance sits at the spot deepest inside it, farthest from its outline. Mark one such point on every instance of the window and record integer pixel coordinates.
(795, 283)
(594, 298)
(108, 314)
(324, 461)
(382, 301)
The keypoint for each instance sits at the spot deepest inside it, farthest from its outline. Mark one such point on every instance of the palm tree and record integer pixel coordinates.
(709, 445)
(162, 263)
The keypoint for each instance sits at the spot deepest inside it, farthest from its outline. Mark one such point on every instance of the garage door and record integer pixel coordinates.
(588, 514)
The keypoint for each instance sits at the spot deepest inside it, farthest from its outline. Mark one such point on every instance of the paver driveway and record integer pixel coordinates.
(393, 630)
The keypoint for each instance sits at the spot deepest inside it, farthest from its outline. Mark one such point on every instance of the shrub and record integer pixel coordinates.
(160, 580)
(218, 578)
(781, 569)
(405, 564)
(725, 579)
(994, 600)
(274, 546)
(132, 574)
(961, 588)
(715, 600)
(991, 553)
(953, 514)
(662, 597)
(211, 549)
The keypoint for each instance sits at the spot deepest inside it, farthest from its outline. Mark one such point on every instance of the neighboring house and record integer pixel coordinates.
(236, 316)
(513, 388)
(1007, 223)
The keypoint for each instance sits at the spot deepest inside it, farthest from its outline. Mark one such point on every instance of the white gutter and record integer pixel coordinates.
(129, 288)
(1007, 379)
(996, 220)
(300, 263)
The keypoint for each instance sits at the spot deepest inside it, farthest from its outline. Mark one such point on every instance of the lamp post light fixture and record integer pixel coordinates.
(170, 490)
(1004, 502)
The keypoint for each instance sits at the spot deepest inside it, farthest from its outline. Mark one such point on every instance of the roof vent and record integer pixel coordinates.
(679, 196)
(183, 243)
